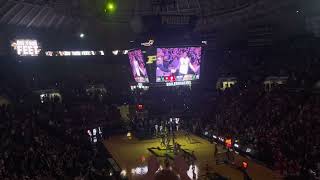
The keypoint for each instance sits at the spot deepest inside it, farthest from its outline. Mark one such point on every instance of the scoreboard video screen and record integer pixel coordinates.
(178, 64)
(138, 66)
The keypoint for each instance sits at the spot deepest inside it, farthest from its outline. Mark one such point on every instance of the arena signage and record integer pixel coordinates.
(26, 47)
(151, 59)
(182, 83)
(74, 53)
(139, 86)
(31, 47)
(148, 44)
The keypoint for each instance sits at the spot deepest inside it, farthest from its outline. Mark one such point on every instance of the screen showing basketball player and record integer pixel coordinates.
(181, 63)
(138, 67)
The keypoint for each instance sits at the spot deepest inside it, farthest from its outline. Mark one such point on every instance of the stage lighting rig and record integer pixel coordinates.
(110, 6)
(163, 3)
(82, 35)
(115, 52)
(125, 52)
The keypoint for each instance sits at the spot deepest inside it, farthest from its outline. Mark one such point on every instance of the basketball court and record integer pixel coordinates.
(132, 154)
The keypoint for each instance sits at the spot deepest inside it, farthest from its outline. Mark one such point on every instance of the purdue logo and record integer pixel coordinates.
(151, 59)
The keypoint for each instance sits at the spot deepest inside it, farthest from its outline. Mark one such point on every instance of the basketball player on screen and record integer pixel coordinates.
(184, 64)
(136, 67)
(138, 70)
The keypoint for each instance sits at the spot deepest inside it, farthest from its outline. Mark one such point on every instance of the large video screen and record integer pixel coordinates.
(178, 64)
(138, 66)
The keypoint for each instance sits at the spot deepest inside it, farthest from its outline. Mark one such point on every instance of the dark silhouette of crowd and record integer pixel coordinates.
(30, 152)
(49, 140)
(281, 125)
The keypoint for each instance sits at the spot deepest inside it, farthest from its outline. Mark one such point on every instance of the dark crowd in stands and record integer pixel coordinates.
(49, 140)
(282, 126)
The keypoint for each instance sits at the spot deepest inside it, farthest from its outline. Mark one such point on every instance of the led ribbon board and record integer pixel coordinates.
(74, 53)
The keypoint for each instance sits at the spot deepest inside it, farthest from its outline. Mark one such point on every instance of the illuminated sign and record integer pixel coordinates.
(125, 52)
(74, 53)
(148, 44)
(26, 47)
(30, 47)
(182, 83)
(151, 59)
(139, 86)
(115, 52)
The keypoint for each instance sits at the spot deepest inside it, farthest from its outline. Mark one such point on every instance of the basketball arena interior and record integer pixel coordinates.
(159, 90)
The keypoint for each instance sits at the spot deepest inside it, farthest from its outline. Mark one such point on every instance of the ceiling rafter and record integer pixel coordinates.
(41, 21)
(51, 20)
(8, 13)
(36, 16)
(31, 13)
(57, 25)
(20, 15)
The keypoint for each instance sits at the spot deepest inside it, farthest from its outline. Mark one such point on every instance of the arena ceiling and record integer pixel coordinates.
(89, 15)
(33, 14)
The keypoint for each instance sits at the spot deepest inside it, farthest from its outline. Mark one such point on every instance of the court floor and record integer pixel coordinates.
(132, 153)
